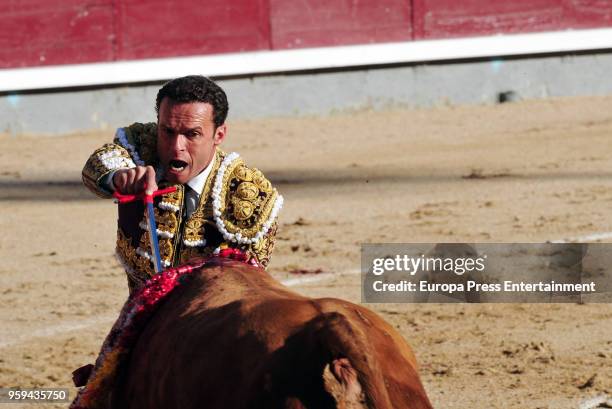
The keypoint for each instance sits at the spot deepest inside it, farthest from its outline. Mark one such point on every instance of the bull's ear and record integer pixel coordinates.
(341, 382)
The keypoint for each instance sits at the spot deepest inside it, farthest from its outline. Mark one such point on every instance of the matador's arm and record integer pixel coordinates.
(132, 146)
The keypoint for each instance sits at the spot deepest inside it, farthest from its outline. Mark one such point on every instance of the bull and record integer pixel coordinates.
(230, 336)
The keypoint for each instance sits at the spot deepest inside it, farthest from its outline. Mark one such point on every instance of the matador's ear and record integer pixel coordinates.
(220, 134)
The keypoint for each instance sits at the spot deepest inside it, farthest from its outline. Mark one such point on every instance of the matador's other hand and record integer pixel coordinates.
(134, 181)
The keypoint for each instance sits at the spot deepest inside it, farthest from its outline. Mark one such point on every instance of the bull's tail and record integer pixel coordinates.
(350, 374)
(354, 375)
(341, 382)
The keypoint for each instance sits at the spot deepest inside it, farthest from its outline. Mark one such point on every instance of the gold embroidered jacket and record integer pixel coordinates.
(238, 207)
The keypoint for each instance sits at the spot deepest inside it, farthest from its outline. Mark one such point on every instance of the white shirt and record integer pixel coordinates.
(197, 183)
(192, 197)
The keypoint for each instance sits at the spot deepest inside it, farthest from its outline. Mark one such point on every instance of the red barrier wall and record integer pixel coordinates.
(318, 23)
(453, 18)
(52, 32)
(162, 28)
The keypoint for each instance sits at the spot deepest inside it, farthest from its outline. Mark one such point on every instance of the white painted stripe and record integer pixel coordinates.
(291, 282)
(57, 329)
(258, 62)
(71, 326)
(585, 239)
(596, 402)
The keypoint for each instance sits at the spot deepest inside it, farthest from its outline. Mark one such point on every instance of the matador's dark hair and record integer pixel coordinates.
(195, 88)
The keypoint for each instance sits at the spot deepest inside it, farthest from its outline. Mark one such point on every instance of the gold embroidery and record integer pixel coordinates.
(247, 191)
(104, 160)
(145, 246)
(243, 173)
(172, 201)
(166, 221)
(247, 199)
(243, 209)
(263, 248)
(166, 251)
(127, 255)
(143, 137)
(193, 230)
(167, 215)
(144, 267)
(261, 182)
(194, 252)
(125, 249)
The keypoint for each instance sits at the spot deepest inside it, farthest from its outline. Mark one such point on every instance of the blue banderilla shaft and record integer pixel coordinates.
(153, 237)
(150, 215)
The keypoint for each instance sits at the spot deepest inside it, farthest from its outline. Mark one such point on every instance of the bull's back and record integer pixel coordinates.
(212, 341)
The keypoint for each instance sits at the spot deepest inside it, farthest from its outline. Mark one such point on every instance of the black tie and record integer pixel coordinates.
(191, 200)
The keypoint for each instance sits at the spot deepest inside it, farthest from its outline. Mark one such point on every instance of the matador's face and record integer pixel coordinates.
(186, 139)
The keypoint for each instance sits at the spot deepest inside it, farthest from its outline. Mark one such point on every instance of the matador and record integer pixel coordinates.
(220, 202)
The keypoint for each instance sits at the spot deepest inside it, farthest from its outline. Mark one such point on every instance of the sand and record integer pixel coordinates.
(529, 171)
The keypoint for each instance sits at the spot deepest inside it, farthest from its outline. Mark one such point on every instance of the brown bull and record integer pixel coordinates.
(233, 337)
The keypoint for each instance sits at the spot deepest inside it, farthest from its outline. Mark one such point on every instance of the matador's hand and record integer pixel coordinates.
(134, 181)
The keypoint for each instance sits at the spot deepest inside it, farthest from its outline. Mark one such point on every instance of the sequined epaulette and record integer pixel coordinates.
(135, 145)
(140, 140)
(104, 160)
(245, 205)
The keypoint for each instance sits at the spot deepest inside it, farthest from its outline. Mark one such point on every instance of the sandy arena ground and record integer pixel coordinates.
(545, 172)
